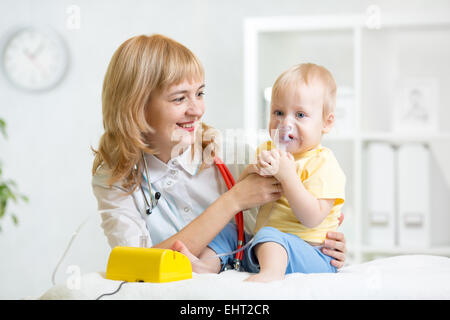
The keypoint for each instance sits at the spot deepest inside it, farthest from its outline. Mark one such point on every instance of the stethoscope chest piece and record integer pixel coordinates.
(149, 209)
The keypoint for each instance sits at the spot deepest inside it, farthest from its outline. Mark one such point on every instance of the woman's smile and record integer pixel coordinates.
(188, 126)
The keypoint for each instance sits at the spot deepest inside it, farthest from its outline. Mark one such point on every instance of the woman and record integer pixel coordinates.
(152, 106)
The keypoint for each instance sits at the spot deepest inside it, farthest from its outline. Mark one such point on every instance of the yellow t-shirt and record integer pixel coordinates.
(322, 176)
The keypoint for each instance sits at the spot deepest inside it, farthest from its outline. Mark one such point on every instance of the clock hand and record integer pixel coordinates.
(33, 61)
(38, 49)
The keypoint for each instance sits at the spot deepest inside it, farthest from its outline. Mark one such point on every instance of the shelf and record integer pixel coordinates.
(404, 137)
(379, 81)
(437, 250)
(389, 137)
(339, 138)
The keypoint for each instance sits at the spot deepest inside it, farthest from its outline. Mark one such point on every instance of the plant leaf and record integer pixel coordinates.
(15, 219)
(3, 128)
(8, 188)
(11, 195)
(3, 204)
(11, 183)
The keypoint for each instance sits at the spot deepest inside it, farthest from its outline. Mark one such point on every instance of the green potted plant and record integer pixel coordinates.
(8, 189)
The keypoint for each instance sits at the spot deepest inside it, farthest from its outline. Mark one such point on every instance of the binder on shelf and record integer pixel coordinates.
(381, 195)
(413, 195)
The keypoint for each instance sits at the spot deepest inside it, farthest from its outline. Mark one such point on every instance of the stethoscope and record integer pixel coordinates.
(149, 206)
(229, 181)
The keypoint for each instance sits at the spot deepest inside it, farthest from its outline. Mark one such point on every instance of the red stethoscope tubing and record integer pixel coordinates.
(239, 217)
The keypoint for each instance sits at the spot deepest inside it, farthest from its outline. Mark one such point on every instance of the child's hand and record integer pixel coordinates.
(288, 167)
(268, 163)
(277, 163)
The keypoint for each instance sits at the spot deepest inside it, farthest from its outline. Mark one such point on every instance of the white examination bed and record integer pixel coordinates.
(400, 277)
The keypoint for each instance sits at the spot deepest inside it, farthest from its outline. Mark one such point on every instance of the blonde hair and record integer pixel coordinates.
(139, 66)
(307, 73)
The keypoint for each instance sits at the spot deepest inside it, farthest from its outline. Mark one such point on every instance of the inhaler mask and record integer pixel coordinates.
(283, 134)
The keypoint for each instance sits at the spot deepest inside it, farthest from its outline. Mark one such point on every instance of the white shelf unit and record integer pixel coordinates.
(368, 61)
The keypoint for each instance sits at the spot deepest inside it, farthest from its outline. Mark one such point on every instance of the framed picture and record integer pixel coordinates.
(416, 108)
(344, 111)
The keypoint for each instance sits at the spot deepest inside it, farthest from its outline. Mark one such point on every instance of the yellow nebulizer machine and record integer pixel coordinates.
(137, 264)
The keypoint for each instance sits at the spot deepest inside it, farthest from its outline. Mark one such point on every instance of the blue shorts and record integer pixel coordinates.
(226, 241)
(302, 257)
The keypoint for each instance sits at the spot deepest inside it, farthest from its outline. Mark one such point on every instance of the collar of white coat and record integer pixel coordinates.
(158, 169)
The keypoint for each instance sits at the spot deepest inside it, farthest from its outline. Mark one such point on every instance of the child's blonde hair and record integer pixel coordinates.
(307, 73)
(139, 66)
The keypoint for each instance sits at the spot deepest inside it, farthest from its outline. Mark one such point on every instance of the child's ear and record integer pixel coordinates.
(328, 123)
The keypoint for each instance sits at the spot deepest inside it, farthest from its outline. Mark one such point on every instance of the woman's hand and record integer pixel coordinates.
(254, 190)
(334, 246)
(251, 168)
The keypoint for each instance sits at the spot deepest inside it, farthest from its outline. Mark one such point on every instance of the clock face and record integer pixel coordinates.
(35, 59)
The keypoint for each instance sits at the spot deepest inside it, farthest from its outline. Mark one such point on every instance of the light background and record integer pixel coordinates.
(50, 134)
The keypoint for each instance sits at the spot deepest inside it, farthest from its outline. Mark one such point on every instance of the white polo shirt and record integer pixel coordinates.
(185, 191)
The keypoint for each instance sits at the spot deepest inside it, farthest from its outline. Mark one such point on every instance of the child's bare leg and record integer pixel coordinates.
(211, 265)
(272, 258)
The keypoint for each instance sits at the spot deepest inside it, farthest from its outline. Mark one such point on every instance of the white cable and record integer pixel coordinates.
(243, 247)
(68, 247)
(228, 253)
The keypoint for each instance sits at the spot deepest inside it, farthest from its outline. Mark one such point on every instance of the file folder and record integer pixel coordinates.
(413, 195)
(381, 195)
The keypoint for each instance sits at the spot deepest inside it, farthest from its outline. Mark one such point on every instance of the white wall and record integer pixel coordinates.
(50, 134)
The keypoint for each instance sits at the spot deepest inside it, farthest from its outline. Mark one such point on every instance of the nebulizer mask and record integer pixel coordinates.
(283, 135)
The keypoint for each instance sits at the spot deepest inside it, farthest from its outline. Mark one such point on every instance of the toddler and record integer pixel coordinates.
(289, 232)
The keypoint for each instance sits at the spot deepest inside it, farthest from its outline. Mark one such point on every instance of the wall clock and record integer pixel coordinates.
(35, 59)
